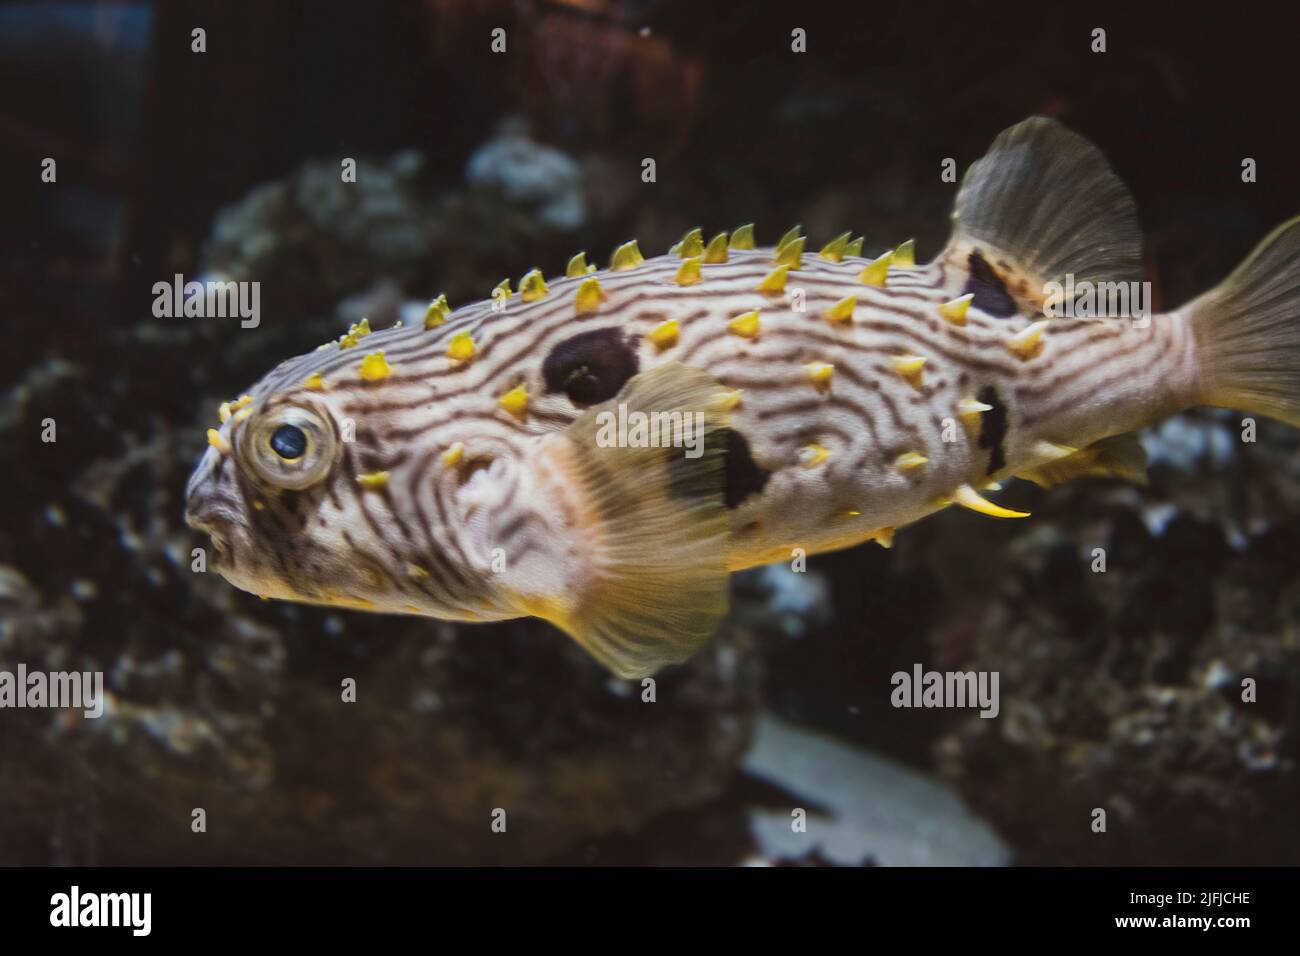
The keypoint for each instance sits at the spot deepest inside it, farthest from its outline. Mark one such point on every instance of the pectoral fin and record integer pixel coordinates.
(1120, 456)
(652, 525)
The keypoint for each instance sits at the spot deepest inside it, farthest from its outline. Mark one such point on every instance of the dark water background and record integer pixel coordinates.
(1119, 690)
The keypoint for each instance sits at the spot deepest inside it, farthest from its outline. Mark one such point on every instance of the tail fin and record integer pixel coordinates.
(1248, 331)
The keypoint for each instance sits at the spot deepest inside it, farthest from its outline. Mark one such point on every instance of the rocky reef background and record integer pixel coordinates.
(1119, 689)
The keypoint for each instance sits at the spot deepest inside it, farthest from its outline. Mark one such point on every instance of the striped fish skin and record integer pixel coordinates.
(1091, 379)
(434, 481)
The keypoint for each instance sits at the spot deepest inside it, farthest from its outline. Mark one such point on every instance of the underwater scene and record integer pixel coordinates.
(589, 433)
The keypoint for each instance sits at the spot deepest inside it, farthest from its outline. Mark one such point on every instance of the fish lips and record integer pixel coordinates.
(219, 533)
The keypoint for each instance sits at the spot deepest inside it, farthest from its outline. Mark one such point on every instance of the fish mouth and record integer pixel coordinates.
(207, 525)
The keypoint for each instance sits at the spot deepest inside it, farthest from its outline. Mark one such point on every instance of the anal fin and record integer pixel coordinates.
(1120, 456)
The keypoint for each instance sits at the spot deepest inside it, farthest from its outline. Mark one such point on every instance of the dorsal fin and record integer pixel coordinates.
(1041, 204)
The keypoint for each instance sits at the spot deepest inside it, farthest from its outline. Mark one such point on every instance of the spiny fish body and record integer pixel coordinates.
(481, 466)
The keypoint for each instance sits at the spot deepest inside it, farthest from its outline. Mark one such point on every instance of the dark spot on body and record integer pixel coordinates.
(990, 292)
(744, 477)
(993, 429)
(590, 367)
(697, 478)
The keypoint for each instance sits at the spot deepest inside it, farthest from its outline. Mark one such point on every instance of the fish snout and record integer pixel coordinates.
(204, 512)
(211, 523)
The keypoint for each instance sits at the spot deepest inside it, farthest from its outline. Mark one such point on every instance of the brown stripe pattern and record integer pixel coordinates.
(425, 541)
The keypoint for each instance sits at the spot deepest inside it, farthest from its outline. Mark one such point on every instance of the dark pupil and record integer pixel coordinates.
(289, 442)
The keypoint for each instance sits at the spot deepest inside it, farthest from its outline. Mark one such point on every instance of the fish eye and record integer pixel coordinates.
(289, 442)
(291, 446)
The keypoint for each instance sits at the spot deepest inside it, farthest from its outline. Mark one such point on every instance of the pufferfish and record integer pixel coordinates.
(500, 460)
